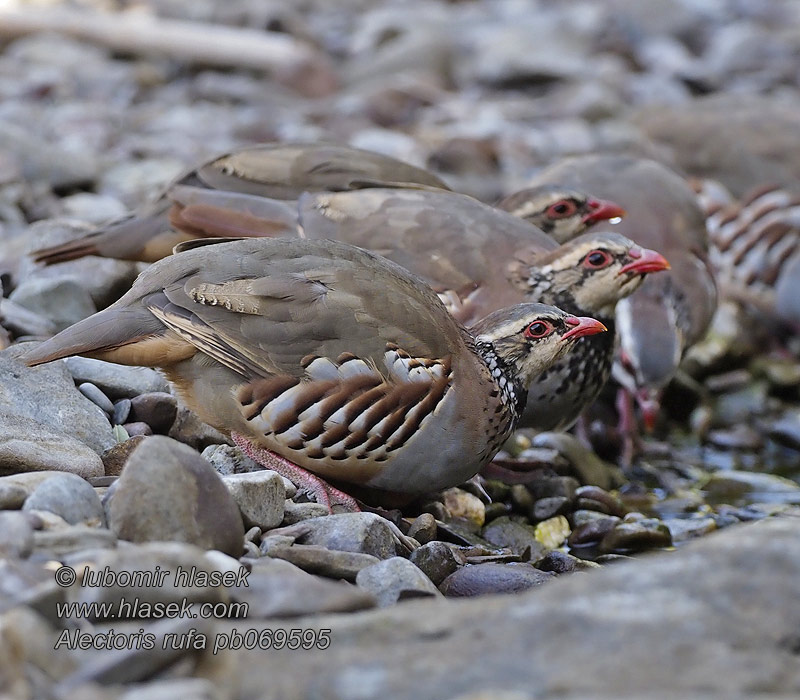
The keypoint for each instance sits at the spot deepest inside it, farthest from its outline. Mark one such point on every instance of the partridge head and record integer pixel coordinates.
(321, 357)
(558, 211)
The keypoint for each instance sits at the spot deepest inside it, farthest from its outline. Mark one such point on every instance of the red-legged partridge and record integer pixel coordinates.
(266, 177)
(320, 356)
(671, 311)
(755, 248)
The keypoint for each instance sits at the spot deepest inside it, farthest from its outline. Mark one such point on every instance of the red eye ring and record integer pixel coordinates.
(562, 209)
(597, 259)
(538, 329)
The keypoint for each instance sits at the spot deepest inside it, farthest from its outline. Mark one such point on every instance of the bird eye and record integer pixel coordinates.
(596, 259)
(538, 329)
(561, 209)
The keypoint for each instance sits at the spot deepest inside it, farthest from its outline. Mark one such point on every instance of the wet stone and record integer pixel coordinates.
(91, 392)
(741, 437)
(592, 531)
(519, 538)
(563, 486)
(395, 579)
(484, 579)
(553, 532)
(635, 536)
(437, 560)
(610, 503)
(786, 430)
(158, 409)
(521, 498)
(549, 507)
(562, 563)
(496, 510)
(682, 530)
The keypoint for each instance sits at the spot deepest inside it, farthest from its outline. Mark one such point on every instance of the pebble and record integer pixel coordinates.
(559, 562)
(602, 499)
(295, 512)
(591, 532)
(122, 409)
(464, 505)
(484, 579)
(634, 536)
(138, 429)
(277, 588)
(190, 430)
(682, 530)
(114, 458)
(786, 430)
(260, 496)
(227, 459)
(423, 529)
(553, 532)
(549, 507)
(169, 492)
(56, 544)
(437, 560)
(741, 437)
(116, 381)
(91, 392)
(519, 538)
(348, 532)
(395, 579)
(68, 496)
(318, 560)
(157, 409)
(562, 486)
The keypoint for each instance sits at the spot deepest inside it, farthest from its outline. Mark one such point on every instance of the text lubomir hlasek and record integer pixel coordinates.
(155, 578)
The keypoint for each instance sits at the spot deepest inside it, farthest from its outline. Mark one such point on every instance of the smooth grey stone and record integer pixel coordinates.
(504, 532)
(423, 529)
(91, 392)
(277, 588)
(158, 409)
(16, 535)
(348, 532)
(63, 301)
(116, 381)
(21, 321)
(45, 422)
(295, 512)
(395, 579)
(138, 429)
(314, 559)
(260, 496)
(564, 486)
(169, 492)
(122, 409)
(68, 496)
(437, 560)
(484, 579)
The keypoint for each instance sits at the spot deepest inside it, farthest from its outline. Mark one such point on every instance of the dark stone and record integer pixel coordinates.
(158, 409)
(484, 579)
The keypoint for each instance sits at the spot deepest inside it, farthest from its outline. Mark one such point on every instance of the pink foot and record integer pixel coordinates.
(322, 492)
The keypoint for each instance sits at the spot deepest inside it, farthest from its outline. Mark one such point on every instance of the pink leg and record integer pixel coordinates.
(322, 492)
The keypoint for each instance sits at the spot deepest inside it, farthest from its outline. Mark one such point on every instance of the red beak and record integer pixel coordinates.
(645, 260)
(582, 325)
(602, 210)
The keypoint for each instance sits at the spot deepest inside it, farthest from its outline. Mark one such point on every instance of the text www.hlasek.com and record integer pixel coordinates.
(123, 609)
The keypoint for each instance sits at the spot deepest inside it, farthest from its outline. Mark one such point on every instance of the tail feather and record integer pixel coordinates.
(101, 335)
